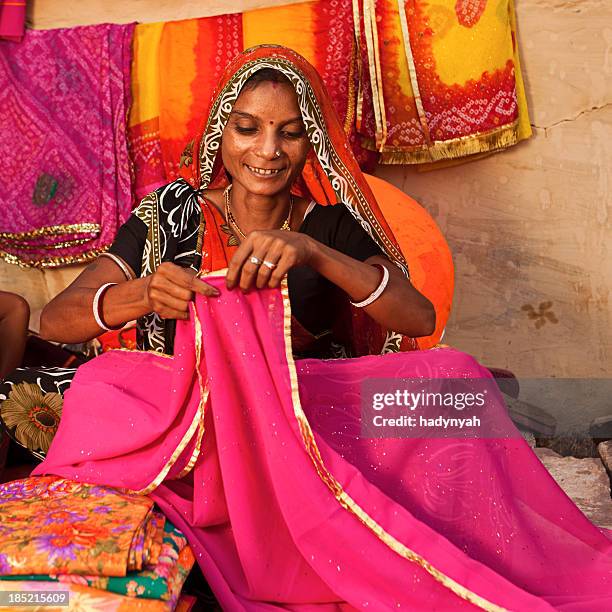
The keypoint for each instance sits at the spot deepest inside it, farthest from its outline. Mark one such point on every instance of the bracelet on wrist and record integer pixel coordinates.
(97, 308)
(378, 291)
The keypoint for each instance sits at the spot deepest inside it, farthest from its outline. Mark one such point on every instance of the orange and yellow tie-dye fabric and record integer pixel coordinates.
(412, 82)
(443, 78)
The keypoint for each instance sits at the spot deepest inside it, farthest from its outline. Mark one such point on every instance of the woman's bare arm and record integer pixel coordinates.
(69, 316)
(14, 319)
(401, 307)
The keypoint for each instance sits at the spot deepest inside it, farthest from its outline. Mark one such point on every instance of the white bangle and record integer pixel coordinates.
(96, 307)
(377, 292)
(126, 271)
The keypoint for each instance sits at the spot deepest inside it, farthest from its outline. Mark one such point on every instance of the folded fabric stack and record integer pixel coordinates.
(106, 548)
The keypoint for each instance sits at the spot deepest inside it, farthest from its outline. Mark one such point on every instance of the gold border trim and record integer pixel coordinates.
(203, 399)
(378, 101)
(524, 128)
(49, 247)
(129, 350)
(357, 33)
(482, 142)
(53, 230)
(219, 272)
(345, 500)
(416, 92)
(350, 105)
(53, 262)
(197, 423)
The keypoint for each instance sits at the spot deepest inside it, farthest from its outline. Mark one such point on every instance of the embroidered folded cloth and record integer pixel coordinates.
(52, 525)
(162, 580)
(65, 180)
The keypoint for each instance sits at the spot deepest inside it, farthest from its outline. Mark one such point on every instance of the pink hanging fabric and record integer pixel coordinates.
(286, 508)
(65, 180)
(12, 19)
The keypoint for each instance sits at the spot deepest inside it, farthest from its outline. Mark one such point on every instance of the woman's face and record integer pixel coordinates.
(264, 144)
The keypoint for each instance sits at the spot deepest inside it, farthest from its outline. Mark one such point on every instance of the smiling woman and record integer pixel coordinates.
(264, 225)
(260, 459)
(327, 253)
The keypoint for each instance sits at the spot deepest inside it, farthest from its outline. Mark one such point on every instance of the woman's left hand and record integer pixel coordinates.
(278, 251)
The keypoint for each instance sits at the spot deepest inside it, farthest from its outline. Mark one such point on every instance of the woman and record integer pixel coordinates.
(328, 255)
(264, 150)
(256, 457)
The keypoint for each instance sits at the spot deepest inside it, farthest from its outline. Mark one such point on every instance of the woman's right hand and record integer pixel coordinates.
(170, 288)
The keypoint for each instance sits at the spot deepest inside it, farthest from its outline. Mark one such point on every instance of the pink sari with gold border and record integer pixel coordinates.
(285, 506)
(229, 438)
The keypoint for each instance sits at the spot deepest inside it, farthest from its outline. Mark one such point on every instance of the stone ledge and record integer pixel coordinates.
(585, 481)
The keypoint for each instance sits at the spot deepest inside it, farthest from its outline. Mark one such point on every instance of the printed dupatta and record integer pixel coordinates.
(331, 176)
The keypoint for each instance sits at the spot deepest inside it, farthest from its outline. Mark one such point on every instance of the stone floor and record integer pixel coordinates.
(585, 480)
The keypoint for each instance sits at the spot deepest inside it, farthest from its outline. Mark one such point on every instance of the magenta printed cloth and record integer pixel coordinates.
(258, 459)
(65, 177)
(12, 19)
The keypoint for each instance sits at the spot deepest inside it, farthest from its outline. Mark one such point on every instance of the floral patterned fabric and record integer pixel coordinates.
(84, 598)
(160, 581)
(52, 525)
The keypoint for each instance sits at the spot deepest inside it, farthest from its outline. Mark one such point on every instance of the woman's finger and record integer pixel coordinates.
(184, 280)
(282, 267)
(160, 299)
(234, 269)
(203, 288)
(250, 269)
(169, 313)
(184, 277)
(269, 264)
(164, 284)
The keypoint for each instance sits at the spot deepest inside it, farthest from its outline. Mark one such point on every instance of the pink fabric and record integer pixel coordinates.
(64, 98)
(12, 19)
(268, 531)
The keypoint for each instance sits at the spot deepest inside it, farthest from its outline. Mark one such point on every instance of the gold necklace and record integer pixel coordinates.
(232, 220)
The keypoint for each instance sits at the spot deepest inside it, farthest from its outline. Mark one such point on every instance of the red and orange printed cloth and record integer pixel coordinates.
(412, 82)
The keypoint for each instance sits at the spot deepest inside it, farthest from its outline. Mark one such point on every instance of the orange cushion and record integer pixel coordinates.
(429, 259)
